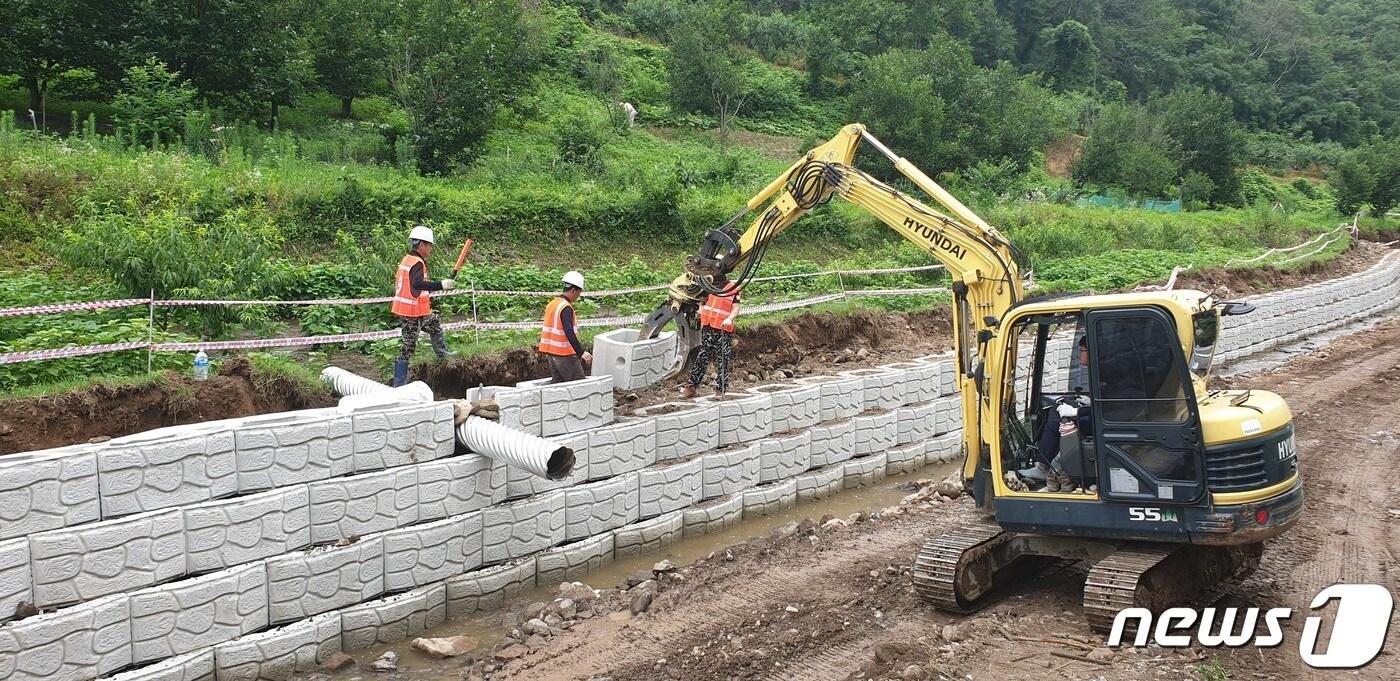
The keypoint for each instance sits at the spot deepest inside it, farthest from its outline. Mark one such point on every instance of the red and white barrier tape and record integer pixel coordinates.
(72, 307)
(59, 353)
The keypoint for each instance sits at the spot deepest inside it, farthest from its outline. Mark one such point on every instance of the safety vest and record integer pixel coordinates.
(716, 310)
(405, 304)
(553, 340)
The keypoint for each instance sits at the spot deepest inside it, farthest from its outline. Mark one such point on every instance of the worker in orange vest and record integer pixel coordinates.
(716, 339)
(559, 334)
(412, 305)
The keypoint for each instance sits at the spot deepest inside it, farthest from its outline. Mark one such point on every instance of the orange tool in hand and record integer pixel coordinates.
(462, 257)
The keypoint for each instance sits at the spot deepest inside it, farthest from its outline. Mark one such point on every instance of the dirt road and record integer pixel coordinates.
(832, 603)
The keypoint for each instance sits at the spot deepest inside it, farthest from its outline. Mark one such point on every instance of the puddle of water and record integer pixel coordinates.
(487, 629)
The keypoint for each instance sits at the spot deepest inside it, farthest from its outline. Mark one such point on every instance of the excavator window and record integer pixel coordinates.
(1140, 380)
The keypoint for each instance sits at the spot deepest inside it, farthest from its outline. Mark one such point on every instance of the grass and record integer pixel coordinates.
(1213, 671)
(79, 383)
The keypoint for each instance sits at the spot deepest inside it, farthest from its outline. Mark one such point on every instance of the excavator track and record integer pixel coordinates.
(954, 563)
(1157, 578)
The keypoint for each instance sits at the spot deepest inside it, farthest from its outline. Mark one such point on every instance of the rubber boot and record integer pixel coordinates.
(439, 343)
(400, 372)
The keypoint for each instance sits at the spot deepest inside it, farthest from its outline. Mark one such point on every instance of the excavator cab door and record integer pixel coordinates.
(1146, 425)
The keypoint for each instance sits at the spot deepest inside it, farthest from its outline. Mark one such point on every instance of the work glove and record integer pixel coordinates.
(486, 409)
(1066, 411)
(449, 284)
(587, 357)
(1082, 400)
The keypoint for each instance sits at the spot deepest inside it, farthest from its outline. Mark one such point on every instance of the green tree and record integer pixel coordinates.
(283, 67)
(153, 102)
(605, 75)
(1128, 146)
(348, 39)
(1206, 138)
(41, 39)
(1369, 174)
(453, 65)
(1071, 57)
(705, 68)
(1353, 181)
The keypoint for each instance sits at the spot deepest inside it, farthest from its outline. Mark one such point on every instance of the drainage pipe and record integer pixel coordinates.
(346, 384)
(516, 448)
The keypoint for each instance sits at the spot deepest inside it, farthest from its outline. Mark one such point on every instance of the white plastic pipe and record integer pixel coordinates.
(345, 383)
(516, 448)
(416, 391)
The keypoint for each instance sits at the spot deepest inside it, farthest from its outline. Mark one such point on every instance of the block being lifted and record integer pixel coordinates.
(632, 362)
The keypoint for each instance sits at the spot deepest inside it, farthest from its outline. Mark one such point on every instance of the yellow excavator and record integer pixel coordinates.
(1167, 487)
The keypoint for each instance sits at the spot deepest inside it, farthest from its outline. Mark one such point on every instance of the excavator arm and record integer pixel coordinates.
(982, 263)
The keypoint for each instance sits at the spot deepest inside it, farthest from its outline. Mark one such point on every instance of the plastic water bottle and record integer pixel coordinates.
(201, 366)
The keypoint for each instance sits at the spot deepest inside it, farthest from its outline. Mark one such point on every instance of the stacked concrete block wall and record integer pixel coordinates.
(253, 548)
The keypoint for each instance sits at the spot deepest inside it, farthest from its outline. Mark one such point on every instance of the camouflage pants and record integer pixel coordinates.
(719, 346)
(411, 327)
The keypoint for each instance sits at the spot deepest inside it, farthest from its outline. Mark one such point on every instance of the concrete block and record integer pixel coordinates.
(363, 504)
(458, 485)
(519, 405)
(953, 420)
(648, 535)
(627, 445)
(521, 483)
(82, 563)
(281, 653)
(632, 362)
(74, 644)
(281, 449)
(598, 507)
(904, 459)
(401, 434)
(683, 429)
(729, 471)
(866, 470)
(520, 528)
(875, 433)
(715, 515)
(881, 389)
(574, 560)
(832, 442)
(820, 483)
(795, 406)
(920, 380)
(323, 579)
(418, 555)
(15, 581)
(841, 396)
(946, 365)
(916, 422)
(393, 618)
(182, 617)
(222, 534)
(780, 458)
(664, 488)
(165, 468)
(944, 448)
(48, 489)
(195, 666)
(575, 406)
(488, 589)
(743, 418)
(770, 498)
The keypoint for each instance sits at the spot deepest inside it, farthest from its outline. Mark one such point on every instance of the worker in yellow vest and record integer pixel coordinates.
(716, 339)
(559, 334)
(412, 305)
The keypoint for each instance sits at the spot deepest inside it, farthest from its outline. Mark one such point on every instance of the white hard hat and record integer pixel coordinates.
(574, 278)
(421, 233)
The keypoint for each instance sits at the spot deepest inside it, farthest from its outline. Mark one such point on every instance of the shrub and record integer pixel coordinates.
(153, 102)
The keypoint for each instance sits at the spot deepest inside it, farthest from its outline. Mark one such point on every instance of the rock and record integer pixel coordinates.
(565, 608)
(533, 611)
(952, 632)
(511, 652)
(337, 661)
(637, 578)
(578, 592)
(728, 556)
(951, 486)
(834, 522)
(536, 626)
(25, 609)
(641, 602)
(620, 616)
(862, 353)
(346, 541)
(791, 609)
(1101, 654)
(912, 672)
(886, 653)
(553, 620)
(663, 566)
(450, 646)
(535, 642)
(785, 531)
(752, 377)
(386, 663)
(788, 373)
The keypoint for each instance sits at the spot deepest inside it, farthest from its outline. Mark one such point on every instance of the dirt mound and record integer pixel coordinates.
(1240, 282)
(452, 378)
(32, 423)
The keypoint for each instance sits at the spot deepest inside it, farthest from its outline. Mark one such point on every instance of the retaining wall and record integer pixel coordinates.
(253, 548)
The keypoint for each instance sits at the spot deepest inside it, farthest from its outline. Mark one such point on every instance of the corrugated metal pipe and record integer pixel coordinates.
(345, 383)
(516, 448)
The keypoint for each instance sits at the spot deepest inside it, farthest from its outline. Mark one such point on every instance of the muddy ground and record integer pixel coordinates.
(33, 423)
(836, 602)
